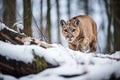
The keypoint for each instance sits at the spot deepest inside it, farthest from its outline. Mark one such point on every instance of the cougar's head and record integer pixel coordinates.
(70, 29)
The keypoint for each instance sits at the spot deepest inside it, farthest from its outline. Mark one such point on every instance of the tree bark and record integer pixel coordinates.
(86, 7)
(116, 22)
(27, 17)
(109, 16)
(41, 20)
(58, 19)
(48, 27)
(68, 7)
(9, 12)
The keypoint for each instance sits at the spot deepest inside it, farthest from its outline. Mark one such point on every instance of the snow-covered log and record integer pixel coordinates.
(7, 34)
(20, 68)
(71, 65)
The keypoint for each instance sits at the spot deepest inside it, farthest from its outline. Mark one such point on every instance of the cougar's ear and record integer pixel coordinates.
(77, 22)
(62, 22)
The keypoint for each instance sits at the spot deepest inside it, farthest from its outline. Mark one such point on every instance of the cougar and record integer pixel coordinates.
(80, 32)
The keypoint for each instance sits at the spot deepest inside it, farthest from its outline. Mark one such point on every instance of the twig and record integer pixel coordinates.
(118, 59)
(39, 29)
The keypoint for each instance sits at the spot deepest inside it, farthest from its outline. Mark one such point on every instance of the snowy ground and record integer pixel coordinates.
(74, 65)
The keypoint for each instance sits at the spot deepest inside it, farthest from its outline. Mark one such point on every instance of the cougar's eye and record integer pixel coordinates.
(73, 30)
(65, 30)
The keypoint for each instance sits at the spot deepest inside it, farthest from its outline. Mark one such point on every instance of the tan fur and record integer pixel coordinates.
(80, 32)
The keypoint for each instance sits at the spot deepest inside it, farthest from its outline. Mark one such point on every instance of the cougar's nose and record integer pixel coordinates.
(69, 37)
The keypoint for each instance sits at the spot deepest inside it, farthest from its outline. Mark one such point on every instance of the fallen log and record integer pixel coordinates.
(19, 68)
(17, 38)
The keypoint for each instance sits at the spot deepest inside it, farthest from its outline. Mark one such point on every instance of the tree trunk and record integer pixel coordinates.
(116, 22)
(9, 13)
(86, 7)
(58, 19)
(48, 27)
(109, 36)
(27, 17)
(41, 20)
(68, 6)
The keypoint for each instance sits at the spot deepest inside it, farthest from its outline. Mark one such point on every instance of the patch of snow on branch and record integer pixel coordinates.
(2, 26)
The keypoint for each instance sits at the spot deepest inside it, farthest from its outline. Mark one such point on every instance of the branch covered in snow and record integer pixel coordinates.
(18, 38)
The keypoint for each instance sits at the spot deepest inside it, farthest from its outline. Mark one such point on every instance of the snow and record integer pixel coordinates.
(72, 65)
(17, 52)
(19, 26)
(2, 26)
(82, 66)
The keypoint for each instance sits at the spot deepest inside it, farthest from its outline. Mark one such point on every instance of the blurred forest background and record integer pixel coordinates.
(41, 19)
